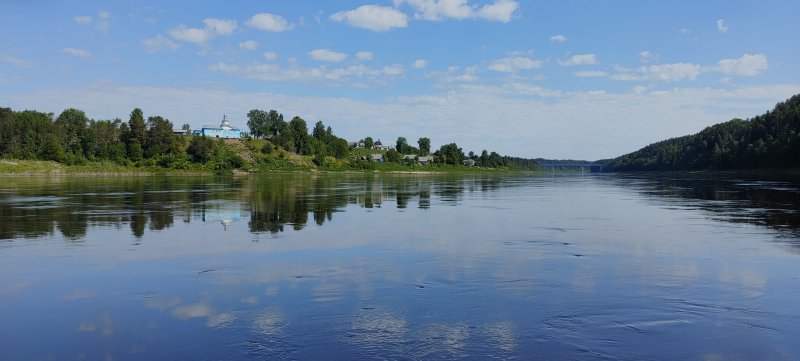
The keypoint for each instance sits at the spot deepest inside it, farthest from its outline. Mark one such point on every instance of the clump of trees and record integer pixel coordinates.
(72, 138)
(294, 137)
(768, 140)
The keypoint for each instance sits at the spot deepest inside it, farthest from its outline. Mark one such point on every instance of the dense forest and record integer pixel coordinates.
(72, 138)
(771, 140)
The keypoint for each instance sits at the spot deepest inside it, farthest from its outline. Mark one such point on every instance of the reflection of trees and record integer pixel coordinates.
(769, 202)
(72, 206)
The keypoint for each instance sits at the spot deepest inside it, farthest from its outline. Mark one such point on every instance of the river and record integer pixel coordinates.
(679, 266)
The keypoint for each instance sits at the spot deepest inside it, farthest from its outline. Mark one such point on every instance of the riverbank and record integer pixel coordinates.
(22, 168)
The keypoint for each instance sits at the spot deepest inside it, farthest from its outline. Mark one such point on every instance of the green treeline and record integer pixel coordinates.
(329, 151)
(273, 143)
(73, 139)
(771, 140)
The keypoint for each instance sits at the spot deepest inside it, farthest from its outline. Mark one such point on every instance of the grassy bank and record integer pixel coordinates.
(12, 167)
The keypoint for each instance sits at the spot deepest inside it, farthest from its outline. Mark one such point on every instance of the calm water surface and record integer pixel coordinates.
(596, 267)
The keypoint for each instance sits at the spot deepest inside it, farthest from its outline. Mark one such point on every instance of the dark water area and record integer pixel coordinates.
(411, 267)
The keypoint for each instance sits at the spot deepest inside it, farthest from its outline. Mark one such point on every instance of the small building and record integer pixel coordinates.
(224, 131)
(469, 162)
(425, 159)
(182, 132)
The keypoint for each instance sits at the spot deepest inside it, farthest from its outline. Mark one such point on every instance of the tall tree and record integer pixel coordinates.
(257, 122)
(424, 146)
(451, 154)
(368, 142)
(299, 130)
(137, 135)
(71, 126)
(401, 145)
(160, 139)
(275, 123)
(319, 131)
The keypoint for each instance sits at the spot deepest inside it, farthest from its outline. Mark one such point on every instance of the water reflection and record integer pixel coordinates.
(764, 200)
(33, 208)
(398, 267)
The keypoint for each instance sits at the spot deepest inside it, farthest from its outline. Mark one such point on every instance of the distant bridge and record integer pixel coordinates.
(573, 166)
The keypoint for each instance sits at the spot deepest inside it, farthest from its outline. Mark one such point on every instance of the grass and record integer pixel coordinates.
(13, 167)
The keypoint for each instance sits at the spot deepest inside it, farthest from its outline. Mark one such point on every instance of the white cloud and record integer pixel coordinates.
(248, 44)
(591, 74)
(220, 26)
(660, 72)
(372, 17)
(684, 30)
(393, 70)
(78, 53)
(192, 35)
(441, 9)
(14, 61)
(199, 36)
(364, 55)
(278, 73)
(157, 43)
(419, 64)
(648, 57)
(82, 20)
(639, 89)
(747, 65)
(499, 10)
(513, 64)
(269, 22)
(270, 55)
(558, 38)
(454, 74)
(327, 55)
(580, 59)
(722, 26)
(103, 21)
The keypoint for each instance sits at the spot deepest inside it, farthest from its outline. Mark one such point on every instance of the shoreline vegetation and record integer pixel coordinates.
(36, 143)
(24, 168)
(767, 141)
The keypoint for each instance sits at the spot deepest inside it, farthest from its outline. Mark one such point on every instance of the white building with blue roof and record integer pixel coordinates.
(224, 131)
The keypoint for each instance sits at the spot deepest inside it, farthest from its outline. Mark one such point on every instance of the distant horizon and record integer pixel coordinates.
(582, 81)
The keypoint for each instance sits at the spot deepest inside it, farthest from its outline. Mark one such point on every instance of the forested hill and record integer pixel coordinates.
(771, 140)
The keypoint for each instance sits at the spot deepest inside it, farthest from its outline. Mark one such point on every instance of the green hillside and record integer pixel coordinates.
(771, 140)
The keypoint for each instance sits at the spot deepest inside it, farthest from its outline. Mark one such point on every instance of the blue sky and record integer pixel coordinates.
(566, 79)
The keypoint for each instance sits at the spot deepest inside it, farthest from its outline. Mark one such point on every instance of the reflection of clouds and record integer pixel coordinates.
(250, 300)
(202, 309)
(438, 338)
(161, 304)
(270, 322)
(503, 335)
(328, 292)
(752, 282)
(87, 327)
(378, 330)
(105, 325)
(195, 310)
(80, 294)
(221, 320)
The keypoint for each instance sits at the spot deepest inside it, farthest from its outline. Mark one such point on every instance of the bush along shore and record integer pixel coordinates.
(33, 142)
